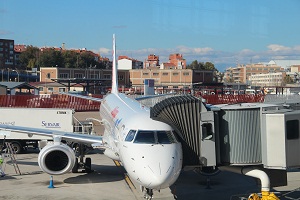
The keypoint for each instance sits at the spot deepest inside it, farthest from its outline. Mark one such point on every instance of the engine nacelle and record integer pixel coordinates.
(56, 159)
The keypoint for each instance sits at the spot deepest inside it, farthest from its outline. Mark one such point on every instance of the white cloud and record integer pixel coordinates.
(277, 47)
(105, 51)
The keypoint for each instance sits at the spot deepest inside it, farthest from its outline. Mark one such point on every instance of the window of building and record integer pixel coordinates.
(155, 74)
(63, 75)
(78, 76)
(48, 75)
(50, 89)
(186, 73)
(292, 129)
(41, 89)
(175, 74)
(94, 76)
(165, 74)
(145, 73)
(61, 89)
(107, 76)
(120, 77)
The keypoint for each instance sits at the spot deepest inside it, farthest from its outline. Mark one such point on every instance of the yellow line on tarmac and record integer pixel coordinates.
(126, 177)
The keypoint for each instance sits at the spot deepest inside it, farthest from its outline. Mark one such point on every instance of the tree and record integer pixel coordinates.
(287, 80)
(51, 58)
(30, 57)
(209, 66)
(200, 65)
(70, 59)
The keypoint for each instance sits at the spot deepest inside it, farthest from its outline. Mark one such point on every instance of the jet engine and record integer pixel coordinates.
(56, 159)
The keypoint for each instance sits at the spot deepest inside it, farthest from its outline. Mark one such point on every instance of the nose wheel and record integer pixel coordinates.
(148, 193)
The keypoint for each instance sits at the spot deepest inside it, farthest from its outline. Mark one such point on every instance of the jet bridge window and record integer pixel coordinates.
(292, 129)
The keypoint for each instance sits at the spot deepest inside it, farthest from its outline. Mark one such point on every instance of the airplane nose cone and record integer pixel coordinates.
(158, 167)
(160, 175)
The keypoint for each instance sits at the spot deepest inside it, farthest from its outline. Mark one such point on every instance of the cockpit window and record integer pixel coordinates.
(155, 137)
(165, 137)
(145, 137)
(130, 135)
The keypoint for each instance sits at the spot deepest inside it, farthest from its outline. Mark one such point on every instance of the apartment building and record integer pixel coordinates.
(241, 73)
(268, 79)
(126, 63)
(7, 56)
(152, 62)
(178, 60)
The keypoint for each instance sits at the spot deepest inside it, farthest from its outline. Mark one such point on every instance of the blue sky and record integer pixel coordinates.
(224, 32)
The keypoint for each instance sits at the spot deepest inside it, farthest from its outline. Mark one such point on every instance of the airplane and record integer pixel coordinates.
(148, 149)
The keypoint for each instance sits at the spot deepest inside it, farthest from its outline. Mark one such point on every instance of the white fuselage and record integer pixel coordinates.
(147, 148)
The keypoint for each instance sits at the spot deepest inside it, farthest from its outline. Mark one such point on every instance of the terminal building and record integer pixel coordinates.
(98, 81)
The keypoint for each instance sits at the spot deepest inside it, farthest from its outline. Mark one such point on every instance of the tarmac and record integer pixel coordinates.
(108, 182)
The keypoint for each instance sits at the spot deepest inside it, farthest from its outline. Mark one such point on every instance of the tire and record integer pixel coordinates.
(17, 147)
(75, 168)
(88, 165)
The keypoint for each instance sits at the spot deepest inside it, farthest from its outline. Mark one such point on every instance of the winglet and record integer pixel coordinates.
(114, 87)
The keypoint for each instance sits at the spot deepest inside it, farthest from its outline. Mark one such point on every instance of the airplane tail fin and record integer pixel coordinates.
(114, 87)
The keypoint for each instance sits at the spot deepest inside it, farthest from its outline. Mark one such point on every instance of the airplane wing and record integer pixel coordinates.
(83, 138)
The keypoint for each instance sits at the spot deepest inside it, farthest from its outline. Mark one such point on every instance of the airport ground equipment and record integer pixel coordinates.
(9, 152)
(51, 119)
(257, 136)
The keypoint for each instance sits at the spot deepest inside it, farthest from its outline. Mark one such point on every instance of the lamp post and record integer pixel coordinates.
(17, 73)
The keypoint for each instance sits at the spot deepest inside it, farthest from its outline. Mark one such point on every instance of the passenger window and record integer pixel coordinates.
(145, 137)
(130, 135)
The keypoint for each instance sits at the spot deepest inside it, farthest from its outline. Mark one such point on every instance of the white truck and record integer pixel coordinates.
(47, 118)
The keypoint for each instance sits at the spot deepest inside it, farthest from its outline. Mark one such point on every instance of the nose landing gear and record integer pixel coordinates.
(148, 193)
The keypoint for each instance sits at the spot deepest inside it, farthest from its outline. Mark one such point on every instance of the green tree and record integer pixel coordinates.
(209, 66)
(70, 59)
(30, 57)
(51, 58)
(288, 80)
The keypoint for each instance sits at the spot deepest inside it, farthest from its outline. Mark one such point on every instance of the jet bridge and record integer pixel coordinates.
(194, 125)
(232, 135)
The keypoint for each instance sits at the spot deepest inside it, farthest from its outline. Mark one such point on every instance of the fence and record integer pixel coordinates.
(49, 101)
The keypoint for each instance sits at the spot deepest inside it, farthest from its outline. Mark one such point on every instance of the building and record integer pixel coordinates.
(170, 78)
(95, 81)
(177, 60)
(285, 64)
(7, 57)
(241, 73)
(152, 62)
(126, 63)
(268, 80)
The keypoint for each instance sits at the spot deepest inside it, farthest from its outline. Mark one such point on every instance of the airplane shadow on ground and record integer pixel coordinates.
(101, 174)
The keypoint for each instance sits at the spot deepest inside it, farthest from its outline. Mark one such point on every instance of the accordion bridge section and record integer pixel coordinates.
(193, 124)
